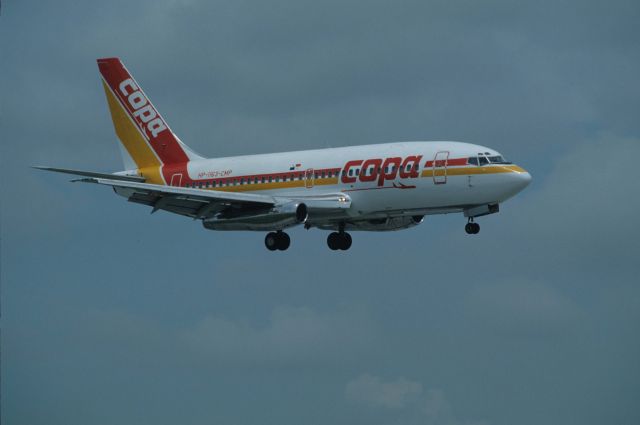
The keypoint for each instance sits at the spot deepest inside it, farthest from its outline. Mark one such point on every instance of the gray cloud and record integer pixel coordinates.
(292, 336)
(414, 404)
(516, 308)
(151, 319)
(373, 391)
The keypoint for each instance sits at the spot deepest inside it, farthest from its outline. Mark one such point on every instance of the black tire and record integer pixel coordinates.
(333, 241)
(345, 241)
(271, 241)
(283, 241)
(469, 228)
(476, 228)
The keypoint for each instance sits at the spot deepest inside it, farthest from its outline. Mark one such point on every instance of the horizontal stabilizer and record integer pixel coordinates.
(93, 174)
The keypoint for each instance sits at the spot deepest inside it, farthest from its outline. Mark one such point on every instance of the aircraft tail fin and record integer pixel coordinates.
(145, 136)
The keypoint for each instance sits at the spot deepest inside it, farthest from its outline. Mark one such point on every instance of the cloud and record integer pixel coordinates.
(436, 407)
(372, 391)
(554, 89)
(294, 335)
(521, 308)
(581, 212)
(407, 399)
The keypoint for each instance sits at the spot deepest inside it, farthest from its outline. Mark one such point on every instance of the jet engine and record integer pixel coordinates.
(277, 218)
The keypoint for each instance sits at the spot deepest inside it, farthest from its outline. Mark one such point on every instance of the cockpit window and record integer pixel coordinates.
(498, 159)
(472, 160)
(483, 160)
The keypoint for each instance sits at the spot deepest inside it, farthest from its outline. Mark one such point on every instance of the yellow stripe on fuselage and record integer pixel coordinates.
(130, 136)
(468, 171)
(461, 171)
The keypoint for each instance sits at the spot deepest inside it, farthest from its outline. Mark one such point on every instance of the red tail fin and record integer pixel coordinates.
(156, 134)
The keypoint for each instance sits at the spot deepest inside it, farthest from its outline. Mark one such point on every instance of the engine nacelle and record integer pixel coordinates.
(277, 218)
(297, 209)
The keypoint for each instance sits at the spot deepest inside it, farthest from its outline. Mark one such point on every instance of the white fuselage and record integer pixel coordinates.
(366, 174)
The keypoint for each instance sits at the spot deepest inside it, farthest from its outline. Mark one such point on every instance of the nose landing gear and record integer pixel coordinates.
(277, 240)
(472, 228)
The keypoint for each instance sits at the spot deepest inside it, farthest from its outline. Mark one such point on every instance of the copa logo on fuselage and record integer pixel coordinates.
(381, 169)
(142, 109)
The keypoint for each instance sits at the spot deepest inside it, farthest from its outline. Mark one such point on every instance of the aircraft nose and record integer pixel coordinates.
(520, 178)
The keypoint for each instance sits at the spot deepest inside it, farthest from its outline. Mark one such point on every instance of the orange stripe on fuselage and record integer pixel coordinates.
(468, 171)
(296, 183)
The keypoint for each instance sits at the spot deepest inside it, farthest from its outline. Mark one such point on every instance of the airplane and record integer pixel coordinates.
(379, 187)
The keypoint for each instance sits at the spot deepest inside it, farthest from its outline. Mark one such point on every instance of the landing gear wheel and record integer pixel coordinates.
(339, 240)
(472, 228)
(346, 241)
(333, 241)
(271, 241)
(283, 241)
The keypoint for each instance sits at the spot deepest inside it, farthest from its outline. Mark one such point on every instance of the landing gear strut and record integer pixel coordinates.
(277, 240)
(339, 240)
(472, 228)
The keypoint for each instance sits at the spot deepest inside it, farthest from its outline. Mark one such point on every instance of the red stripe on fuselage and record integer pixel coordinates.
(297, 175)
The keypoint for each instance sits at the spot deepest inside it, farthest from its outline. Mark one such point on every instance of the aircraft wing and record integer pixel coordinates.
(83, 173)
(202, 204)
(196, 203)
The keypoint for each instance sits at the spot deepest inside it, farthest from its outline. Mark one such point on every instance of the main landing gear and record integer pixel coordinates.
(339, 240)
(472, 228)
(277, 240)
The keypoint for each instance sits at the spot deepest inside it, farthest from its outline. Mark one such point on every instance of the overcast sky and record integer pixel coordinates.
(111, 315)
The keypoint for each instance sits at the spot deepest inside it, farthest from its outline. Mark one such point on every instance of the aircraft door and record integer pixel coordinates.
(176, 180)
(309, 177)
(440, 162)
